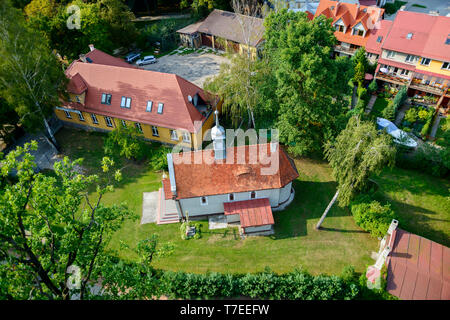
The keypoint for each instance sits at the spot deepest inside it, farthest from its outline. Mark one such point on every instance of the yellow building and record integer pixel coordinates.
(227, 31)
(105, 94)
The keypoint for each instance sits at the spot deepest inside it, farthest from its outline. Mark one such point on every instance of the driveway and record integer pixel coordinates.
(194, 67)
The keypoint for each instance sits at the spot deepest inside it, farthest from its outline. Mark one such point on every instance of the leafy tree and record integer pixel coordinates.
(310, 86)
(125, 142)
(411, 115)
(358, 152)
(359, 74)
(389, 111)
(203, 7)
(373, 87)
(9, 120)
(51, 228)
(31, 76)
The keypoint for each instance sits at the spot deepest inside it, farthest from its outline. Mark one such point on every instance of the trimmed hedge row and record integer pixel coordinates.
(296, 285)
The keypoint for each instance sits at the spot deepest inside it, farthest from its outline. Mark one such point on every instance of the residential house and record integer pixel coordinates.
(106, 93)
(225, 30)
(228, 182)
(353, 23)
(414, 50)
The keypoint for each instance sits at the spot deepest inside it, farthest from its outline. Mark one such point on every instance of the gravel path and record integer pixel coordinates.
(194, 67)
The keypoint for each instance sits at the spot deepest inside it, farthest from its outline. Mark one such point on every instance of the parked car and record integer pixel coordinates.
(132, 56)
(146, 60)
(400, 136)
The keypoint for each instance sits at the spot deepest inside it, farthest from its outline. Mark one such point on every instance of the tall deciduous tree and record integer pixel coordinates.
(31, 76)
(358, 152)
(310, 88)
(51, 230)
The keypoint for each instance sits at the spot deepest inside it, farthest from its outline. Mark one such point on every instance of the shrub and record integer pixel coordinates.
(373, 87)
(125, 142)
(389, 111)
(411, 115)
(158, 157)
(372, 216)
(362, 93)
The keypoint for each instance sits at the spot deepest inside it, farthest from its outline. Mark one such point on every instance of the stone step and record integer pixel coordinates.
(168, 221)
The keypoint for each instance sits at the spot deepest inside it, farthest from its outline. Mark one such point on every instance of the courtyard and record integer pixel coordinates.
(419, 199)
(193, 65)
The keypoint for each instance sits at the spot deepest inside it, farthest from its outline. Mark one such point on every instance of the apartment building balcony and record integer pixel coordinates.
(392, 77)
(344, 49)
(430, 87)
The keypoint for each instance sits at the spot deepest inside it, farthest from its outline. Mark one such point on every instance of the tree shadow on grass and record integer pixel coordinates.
(311, 199)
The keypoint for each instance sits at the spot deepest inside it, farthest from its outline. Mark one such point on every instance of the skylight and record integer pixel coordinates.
(409, 36)
(160, 107)
(448, 40)
(149, 106)
(379, 38)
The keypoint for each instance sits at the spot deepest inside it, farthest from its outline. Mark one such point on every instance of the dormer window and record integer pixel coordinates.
(339, 28)
(357, 32)
(409, 36)
(106, 98)
(149, 106)
(160, 107)
(125, 102)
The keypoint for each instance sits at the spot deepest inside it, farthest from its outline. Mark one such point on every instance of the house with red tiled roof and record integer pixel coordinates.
(106, 92)
(353, 23)
(242, 184)
(414, 50)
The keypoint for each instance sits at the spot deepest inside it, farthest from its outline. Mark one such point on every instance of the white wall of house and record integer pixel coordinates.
(215, 203)
(398, 57)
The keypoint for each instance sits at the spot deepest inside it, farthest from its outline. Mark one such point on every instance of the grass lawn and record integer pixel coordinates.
(379, 106)
(295, 242)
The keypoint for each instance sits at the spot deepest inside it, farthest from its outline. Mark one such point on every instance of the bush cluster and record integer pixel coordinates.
(296, 285)
(371, 216)
(390, 112)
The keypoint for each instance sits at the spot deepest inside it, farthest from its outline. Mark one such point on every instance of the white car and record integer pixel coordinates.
(146, 60)
(400, 136)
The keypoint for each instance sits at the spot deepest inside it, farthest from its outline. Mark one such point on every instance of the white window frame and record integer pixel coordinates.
(229, 197)
(68, 116)
(186, 137)
(409, 36)
(149, 106)
(80, 116)
(125, 102)
(204, 203)
(160, 107)
(390, 54)
(250, 195)
(124, 124)
(94, 118)
(105, 97)
(108, 121)
(422, 62)
(139, 127)
(410, 58)
(404, 72)
(174, 135)
(155, 132)
(448, 65)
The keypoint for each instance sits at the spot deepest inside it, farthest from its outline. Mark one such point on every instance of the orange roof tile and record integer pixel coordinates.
(141, 86)
(252, 213)
(210, 177)
(351, 14)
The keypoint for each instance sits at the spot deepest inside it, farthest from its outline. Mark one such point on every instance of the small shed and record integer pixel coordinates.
(255, 216)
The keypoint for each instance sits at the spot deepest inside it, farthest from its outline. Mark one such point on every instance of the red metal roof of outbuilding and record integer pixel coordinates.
(418, 268)
(253, 213)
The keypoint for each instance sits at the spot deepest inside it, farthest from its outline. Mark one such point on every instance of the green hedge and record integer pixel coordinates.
(296, 285)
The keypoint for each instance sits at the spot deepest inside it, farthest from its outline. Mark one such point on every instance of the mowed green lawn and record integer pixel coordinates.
(295, 243)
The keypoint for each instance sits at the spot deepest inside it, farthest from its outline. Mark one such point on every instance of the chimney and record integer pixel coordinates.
(83, 58)
(218, 137)
(91, 47)
(357, 10)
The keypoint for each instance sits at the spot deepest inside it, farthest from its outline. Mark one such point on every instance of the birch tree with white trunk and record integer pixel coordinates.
(358, 152)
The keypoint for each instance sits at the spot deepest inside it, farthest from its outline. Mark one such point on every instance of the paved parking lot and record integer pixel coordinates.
(194, 67)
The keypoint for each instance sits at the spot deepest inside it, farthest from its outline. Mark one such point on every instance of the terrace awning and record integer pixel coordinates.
(252, 213)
